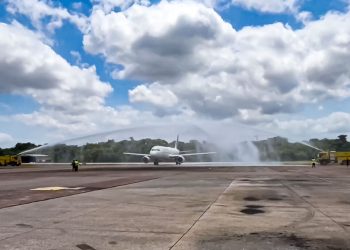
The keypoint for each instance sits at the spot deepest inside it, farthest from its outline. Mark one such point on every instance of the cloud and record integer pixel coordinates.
(82, 123)
(30, 67)
(59, 126)
(39, 11)
(157, 46)
(304, 17)
(253, 116)
(328, 52)
(78, 60)
(155, 94)
(190, 63)
(77, 5)
(108, 5)
(269, 6)
(219, 72)
(334, 123)
(6, 140)
(71, 98)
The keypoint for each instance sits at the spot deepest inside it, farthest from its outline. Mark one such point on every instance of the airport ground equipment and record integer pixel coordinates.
(12, 160)
(327, 157)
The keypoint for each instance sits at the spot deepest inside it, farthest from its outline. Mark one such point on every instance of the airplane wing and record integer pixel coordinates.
(187, 151)
(191, 154)
(204, 153)
(126, 153)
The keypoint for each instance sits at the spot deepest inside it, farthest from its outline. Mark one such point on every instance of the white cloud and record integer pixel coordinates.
(77, 5)
(81, 123)
(327, 54)
(71, 98)
(31, 67)
(251, 116)
(108, 5)
(194, 63)
(155, 94)
(334, 123)
(59, 126)
(6, 140)
(304, 17)
(38, 10)
(78, 60)
(271, 6)
(217, 71)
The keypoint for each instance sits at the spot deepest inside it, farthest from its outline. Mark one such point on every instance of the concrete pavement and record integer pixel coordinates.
(262, 207)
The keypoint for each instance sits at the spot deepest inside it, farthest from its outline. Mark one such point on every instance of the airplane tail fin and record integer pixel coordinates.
(177, 141)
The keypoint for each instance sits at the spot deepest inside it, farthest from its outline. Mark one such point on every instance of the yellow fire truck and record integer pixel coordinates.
(333, 157)
(12, 160)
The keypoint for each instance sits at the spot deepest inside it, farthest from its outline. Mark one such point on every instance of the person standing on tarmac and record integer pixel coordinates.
(75, 165)
(313, 165)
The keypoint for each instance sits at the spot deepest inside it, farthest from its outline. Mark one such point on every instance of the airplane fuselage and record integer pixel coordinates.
(161, 153)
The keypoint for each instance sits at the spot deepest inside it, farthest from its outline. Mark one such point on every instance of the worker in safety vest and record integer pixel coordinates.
(75, 165)
(313, 164)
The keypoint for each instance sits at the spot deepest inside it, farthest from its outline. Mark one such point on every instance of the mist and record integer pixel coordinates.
(232, 142)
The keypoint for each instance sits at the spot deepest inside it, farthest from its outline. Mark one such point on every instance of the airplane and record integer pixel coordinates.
(161, 153)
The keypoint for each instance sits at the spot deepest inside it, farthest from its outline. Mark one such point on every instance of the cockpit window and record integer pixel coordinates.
(155, 149)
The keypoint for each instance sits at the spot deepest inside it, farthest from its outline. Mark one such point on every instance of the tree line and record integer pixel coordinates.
(272, 149)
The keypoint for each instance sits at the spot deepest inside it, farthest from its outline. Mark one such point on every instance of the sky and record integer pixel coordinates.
(74, 68)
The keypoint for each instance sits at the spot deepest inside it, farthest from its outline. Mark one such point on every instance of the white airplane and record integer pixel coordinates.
(161, 153)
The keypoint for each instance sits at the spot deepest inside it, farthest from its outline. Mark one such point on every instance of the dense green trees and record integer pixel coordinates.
(279, 149)
(19, 147)
(340, 144)
(273, 149)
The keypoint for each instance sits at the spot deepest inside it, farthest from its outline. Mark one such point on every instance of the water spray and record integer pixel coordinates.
(307, 144)
(232, 141)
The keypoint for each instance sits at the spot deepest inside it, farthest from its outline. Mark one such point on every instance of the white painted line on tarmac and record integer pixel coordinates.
(56, 188)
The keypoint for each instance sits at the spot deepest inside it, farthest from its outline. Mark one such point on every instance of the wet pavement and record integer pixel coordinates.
(167, 207)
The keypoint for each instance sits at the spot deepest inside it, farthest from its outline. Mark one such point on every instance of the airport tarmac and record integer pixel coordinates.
(167, 207)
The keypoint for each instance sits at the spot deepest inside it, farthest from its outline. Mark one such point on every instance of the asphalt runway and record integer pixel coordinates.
(189, 207)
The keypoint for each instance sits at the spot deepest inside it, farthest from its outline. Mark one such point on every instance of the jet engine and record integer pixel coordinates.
(146, 159)
(180, 159)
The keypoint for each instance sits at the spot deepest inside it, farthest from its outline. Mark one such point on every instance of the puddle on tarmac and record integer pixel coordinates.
(251, 198)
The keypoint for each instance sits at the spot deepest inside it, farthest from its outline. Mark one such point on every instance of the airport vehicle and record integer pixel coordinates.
(12, 160)
(327, 157)
(161, 153)
(34, 158)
